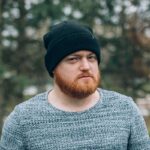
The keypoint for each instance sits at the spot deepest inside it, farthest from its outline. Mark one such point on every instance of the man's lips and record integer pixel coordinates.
(85, 76)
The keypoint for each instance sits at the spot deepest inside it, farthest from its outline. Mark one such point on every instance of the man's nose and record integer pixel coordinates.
(84, 64)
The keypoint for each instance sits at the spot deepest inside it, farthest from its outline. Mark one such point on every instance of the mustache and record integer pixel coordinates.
(85, 75)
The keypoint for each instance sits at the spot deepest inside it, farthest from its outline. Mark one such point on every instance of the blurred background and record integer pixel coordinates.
(121, 26)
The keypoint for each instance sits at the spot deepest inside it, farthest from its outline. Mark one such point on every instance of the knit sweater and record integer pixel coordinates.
(114, 123)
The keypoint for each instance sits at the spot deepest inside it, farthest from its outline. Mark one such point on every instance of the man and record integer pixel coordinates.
(75, 114)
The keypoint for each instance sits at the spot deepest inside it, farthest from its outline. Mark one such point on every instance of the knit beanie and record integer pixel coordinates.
(65, 38)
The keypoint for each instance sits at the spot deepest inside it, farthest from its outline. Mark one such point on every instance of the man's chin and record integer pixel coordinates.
(85, 87)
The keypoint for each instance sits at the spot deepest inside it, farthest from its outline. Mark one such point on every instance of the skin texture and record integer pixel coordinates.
(76, 79)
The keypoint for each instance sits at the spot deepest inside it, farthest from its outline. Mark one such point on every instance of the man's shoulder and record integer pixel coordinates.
(31, 105)
(111, 94)
(35, 100)
(25, 111)
(116, 99)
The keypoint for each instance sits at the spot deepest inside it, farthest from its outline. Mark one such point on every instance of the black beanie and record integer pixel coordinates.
(66, 38)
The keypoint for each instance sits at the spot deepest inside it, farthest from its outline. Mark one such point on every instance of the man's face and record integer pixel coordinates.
(77, 75)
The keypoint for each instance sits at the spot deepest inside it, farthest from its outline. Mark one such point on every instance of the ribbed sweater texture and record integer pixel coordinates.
(114, 123)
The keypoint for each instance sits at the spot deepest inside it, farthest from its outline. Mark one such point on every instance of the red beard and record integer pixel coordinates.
(80, 87)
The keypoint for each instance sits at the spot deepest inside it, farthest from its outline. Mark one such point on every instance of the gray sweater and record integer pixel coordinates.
(114, 123)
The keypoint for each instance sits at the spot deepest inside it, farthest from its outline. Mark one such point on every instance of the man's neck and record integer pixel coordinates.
(67, 103)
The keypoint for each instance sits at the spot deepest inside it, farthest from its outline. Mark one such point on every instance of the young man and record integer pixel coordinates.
(75, 114)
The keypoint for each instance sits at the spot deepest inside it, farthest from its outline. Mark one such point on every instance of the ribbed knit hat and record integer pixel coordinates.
(65, 38)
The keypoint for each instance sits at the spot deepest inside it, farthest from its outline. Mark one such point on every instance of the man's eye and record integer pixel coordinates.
(73, 59)
(92, 57)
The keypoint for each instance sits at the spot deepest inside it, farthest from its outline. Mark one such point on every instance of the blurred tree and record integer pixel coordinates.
(20, 55)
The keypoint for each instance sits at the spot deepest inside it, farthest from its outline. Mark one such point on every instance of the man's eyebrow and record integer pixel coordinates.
(91, 53)
(76, 55)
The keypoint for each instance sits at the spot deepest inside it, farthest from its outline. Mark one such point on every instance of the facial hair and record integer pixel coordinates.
(77, 88)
